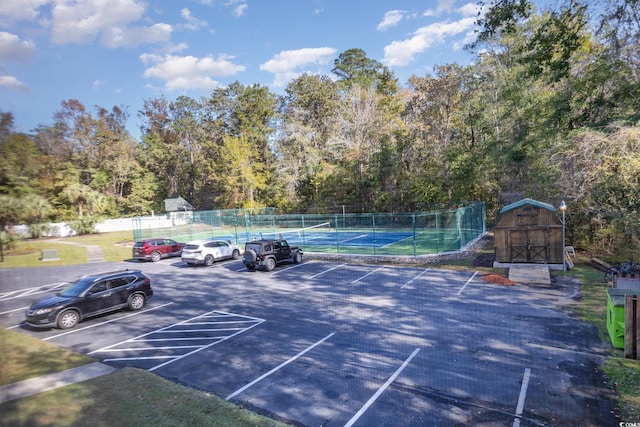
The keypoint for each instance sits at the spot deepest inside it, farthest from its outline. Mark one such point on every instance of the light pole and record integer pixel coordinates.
(563, 208)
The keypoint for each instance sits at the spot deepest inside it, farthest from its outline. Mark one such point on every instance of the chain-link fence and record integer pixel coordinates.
(364, 234)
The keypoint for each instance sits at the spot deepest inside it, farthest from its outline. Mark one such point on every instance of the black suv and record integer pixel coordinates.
(268, 253)
(90, 296)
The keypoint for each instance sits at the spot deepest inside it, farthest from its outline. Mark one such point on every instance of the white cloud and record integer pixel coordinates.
(13, 83)
(286, 64)
(85, 21)
(136, 36)
(238, 7)
(23, 10)
(400, 53)
(97, 84)
(193, 23)
(81, 22)
(189, 72)
(12, 49)
(288, 60)
(470, 9)
(445, 5)
(391, 19)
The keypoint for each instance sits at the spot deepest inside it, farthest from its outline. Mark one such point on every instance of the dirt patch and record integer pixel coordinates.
(498, 279)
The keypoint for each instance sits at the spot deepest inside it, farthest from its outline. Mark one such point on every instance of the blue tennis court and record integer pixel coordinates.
(359, 234)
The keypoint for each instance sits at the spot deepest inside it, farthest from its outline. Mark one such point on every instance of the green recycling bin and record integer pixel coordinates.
(615, 315)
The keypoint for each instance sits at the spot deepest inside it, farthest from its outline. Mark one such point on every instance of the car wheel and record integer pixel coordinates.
(136, 302)
(208, 260)
(297, 258)
(68, 319)
(250, 256)
(236, 254)
(270, 264)
(156, 256)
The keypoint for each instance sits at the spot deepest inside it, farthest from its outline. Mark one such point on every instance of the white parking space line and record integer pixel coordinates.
(199, 334)
(14, 310)
(522, 397)
(377, 394)
(326, 271)
(31, 291)
(73, 331)
(415, 278)
(277, 368)
(367, 275)
(468, 281)
(287, 269)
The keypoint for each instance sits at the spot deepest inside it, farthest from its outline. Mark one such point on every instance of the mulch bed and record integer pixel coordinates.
(498, 279)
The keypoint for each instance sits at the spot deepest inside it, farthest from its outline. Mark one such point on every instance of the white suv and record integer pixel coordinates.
(209, 251)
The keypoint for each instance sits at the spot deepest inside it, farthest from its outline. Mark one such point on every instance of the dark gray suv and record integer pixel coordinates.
(91, 296)
(267, 254)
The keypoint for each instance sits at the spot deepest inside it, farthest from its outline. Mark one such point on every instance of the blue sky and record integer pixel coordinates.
(120, 52)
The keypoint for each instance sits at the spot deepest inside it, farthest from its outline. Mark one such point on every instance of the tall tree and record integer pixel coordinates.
(164, 151)
(354, 67)
(307, 112)
(242, 115)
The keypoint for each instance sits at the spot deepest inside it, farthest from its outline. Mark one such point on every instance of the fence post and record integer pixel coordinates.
(413, 229)
(631, 327)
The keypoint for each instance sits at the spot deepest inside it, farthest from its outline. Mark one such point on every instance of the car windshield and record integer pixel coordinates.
(139, 245)
(77, 287)
(192, 247)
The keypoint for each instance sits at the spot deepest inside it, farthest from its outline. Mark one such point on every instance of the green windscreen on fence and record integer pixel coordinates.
(364, 234)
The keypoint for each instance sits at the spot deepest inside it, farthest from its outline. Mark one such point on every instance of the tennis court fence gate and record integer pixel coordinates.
(408, 234)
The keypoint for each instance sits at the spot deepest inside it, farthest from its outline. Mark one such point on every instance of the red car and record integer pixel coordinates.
(156, 249)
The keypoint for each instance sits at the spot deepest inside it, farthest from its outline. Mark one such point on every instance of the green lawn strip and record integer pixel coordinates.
(128, 397)
(116, 246)
(28, 253)
(623, 374)
(23, 357)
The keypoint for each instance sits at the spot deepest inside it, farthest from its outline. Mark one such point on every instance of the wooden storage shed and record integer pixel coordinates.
(528, 231)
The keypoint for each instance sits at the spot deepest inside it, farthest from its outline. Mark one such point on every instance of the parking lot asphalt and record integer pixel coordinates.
(329, 343)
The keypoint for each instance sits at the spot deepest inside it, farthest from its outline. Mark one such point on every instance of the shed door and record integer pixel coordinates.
(529, 245)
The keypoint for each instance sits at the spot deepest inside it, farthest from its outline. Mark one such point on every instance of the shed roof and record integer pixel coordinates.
(177, 204)
(525, 202)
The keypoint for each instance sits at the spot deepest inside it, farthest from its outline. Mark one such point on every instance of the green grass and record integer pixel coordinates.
(115, 246)
(23, 357)
(126, 397)
(623, 374)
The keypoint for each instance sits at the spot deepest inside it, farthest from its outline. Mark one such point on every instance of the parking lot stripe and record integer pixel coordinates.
(410, 281)
(31, 291)
(277, 368)
(172, 329)
(468, 281)
(105, 322)
(522, 397)
(287, 269)
(381, 389)
(366, 275)
(13, 311)
(326, 271)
